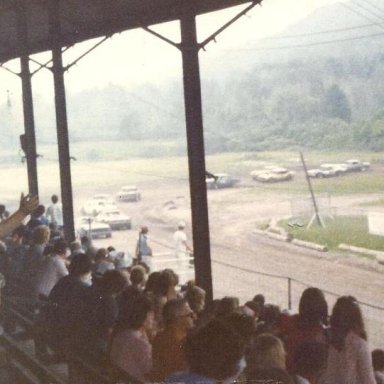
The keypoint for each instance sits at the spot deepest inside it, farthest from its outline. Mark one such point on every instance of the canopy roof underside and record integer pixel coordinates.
(81, 20)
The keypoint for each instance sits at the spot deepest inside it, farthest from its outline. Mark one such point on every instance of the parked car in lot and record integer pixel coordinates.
(128, 193)
(115, 219)
(327, 170)
(272, 175)
(87, 226)
(354, 165)
(93, 207)
(220, 180)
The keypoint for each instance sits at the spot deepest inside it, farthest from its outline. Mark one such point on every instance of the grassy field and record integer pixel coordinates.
(373, 203)
(351, 230)
(124, 163)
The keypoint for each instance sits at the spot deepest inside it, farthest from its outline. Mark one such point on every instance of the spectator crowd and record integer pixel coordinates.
(101, 306)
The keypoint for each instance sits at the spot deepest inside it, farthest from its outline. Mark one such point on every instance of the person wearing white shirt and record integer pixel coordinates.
(54, 212)
(53, 269)
(182, 249)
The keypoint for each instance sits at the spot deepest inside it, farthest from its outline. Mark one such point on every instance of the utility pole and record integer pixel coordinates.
(316, 215)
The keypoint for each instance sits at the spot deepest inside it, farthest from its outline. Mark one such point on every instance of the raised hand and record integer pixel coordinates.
(28, 203)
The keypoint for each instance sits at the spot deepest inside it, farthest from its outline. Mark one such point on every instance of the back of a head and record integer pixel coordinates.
(270, 314)
(313, 308)
(113, 282)
(134, 315)
(41, 235)
(75, 246)
(173, 274)
(172, 309)
(38, 211)
(81, 264)
(101, 254)
(241, 323)
(54, 199)
(346, 317)
(166, 280)
(266, 351)
(137, 275)
(196, 298)
(214, 351)
(259, 299)
(60, 246)
(378, 359)
(227, 305)
(310, 359)
(152, 282)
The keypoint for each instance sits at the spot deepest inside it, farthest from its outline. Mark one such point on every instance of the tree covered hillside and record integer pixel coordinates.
(318, 85)
(324, 103)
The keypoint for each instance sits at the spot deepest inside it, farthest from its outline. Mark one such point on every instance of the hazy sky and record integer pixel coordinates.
(135, 56)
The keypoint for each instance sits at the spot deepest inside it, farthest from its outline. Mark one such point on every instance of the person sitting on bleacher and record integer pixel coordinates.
(308, 325)
(131, 350)
(195, 297)
(102, 312)
(214, 353)
(266, 359)
(168, 344)
(53, 268)
(102, 262)
(349, 358)
(67, 310)
(34, 261)
(164, 290)
(310, 361)
(16, 254)
(37, 218)
(137, 278)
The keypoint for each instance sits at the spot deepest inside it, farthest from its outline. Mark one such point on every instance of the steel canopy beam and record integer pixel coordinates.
(87, 19)
(196, 154)
(61, 123)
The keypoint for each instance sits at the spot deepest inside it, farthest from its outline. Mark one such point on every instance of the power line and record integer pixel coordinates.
(380, 17)
(312, 44)
(322, 32)
(362, 15)
(326, 42)
(375, 6)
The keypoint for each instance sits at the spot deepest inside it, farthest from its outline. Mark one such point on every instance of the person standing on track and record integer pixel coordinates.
(143, 250)
(182, 249)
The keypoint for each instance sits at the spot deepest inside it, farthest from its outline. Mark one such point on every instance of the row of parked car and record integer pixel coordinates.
(271, 174)
(100, 215)
(334, 169)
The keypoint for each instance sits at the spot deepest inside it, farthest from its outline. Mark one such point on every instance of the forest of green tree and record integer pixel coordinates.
(326, 104)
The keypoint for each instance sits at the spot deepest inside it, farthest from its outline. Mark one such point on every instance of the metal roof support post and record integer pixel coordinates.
(29, 121)
(61, 122)
(196, 154)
